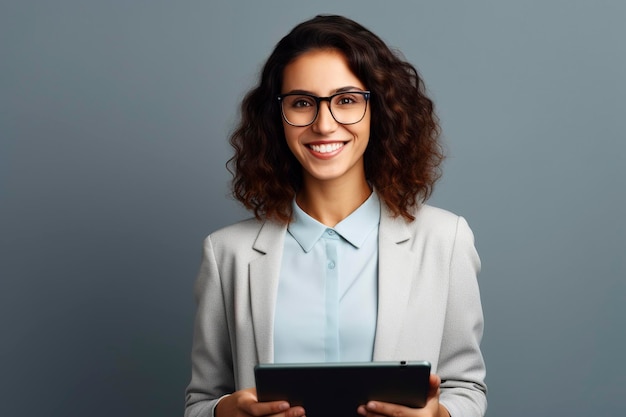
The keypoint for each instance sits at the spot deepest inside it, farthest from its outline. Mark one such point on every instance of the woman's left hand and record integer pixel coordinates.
(432, 408)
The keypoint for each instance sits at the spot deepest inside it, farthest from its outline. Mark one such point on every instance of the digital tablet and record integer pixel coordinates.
(338, 388)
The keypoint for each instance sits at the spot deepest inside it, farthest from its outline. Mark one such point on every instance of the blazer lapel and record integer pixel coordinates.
(263, 275)
(395, 264)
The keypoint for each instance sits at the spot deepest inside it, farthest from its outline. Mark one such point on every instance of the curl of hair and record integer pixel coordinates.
(404, 154)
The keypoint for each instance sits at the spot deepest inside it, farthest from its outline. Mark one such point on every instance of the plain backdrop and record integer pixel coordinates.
(114, 119)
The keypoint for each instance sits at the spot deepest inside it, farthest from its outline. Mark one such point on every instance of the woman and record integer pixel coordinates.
(336, 152)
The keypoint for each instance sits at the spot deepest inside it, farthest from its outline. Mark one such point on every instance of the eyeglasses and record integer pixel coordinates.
(301, 109)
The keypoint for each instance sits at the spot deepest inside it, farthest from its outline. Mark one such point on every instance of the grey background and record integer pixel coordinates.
(114, 117)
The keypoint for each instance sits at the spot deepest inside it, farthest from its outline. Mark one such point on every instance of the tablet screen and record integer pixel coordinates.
(338, 388)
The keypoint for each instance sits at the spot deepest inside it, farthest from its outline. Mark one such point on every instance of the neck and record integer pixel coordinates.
(330, 203)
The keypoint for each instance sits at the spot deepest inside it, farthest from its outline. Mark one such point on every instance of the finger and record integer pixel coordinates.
(377, 408)
(434, 383)
(434, 380)
(364, 411)
(296, 411)
(266, 408)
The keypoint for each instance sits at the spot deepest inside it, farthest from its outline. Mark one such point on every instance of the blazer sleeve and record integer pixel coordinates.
(461, 365)
(212, 374)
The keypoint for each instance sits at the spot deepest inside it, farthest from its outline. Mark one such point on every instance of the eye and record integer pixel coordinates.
(301, 102)
(348, 99)
(345, 100)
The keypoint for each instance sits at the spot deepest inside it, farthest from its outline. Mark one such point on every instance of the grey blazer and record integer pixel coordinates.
(429, 306)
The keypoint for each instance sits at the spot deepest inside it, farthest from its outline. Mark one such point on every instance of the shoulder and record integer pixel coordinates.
(451, 225)
(250, 233)
(433, 219)
(425, 213)
(248, 228)
(431, 224)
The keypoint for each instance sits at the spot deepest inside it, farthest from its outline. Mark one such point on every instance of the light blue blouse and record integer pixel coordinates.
(327, 293)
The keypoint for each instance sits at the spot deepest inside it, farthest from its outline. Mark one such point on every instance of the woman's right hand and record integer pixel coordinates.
(244, 403)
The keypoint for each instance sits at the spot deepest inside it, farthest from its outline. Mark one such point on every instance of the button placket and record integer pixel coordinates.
(332, 296)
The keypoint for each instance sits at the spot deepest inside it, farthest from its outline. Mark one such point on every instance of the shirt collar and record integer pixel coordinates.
(355, 228)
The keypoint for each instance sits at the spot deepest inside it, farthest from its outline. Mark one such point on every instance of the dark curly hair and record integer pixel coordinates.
(403, 157)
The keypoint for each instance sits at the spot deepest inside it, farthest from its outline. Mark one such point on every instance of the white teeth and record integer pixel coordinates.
(330, 147)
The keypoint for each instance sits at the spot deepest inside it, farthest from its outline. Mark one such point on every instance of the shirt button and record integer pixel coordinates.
(331, 232)
(331, 265)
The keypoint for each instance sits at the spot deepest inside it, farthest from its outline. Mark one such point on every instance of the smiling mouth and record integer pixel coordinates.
(327, 147)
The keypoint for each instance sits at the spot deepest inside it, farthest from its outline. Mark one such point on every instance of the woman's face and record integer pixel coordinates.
(326, 149)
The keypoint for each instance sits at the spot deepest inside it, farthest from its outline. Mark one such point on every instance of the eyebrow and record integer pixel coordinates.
(338, 90)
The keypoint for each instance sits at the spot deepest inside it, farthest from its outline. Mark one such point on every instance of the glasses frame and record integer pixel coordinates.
(366, 95)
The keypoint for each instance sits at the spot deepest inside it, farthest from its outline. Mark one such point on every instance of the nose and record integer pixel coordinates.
(325, 122)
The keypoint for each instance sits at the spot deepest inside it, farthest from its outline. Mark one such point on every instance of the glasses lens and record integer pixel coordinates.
(348, 108)
(299, 110)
